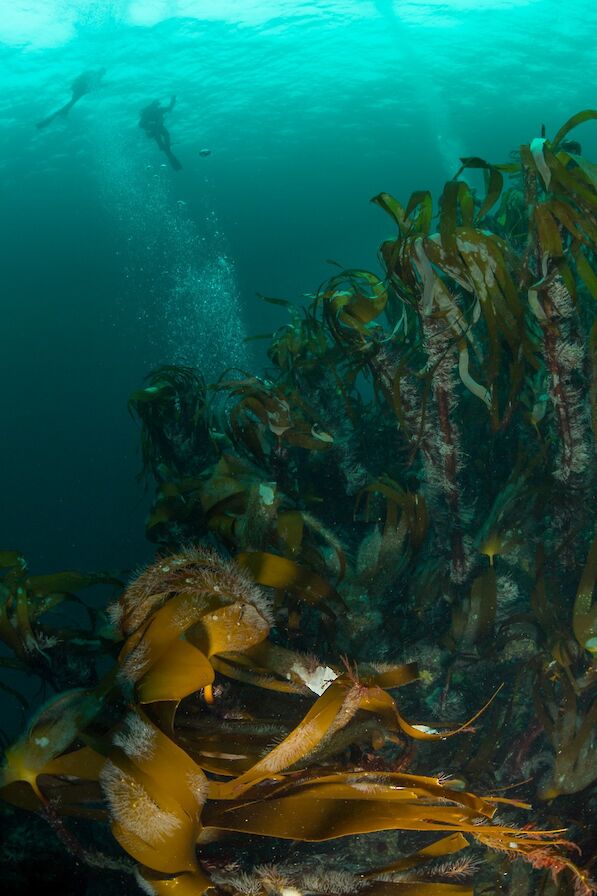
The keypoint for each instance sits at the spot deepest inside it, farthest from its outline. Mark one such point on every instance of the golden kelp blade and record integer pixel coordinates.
(180, 671)
(446, 846)
(313, 819)
(187, 884)
(299, 743)
(148, 823)
(279, 572)
(52, 731)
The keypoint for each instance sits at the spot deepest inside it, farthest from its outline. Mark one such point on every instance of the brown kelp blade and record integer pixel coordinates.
(446, 846)
(187, 884)
(180, 671)
(280, 572)
(315, 819)
(573, 122)
(584, 619)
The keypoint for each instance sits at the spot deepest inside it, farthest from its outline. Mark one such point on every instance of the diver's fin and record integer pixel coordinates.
(63, 111)
(46, 121)
(173, 160)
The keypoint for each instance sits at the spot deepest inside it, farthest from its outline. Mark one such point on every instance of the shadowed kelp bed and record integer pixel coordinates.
(404, 496)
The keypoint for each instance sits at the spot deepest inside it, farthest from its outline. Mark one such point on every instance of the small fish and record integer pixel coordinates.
(204, 152)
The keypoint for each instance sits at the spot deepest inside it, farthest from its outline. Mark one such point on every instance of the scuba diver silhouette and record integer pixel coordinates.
(151, 120)
(85, 83)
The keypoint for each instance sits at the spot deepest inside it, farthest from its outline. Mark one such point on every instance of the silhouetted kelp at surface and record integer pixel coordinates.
(410, 485)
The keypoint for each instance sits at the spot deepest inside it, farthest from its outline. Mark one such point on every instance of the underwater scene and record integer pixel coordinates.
(298, 541)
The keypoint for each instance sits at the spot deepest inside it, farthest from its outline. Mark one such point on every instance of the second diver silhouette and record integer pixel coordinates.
(85, 83)
(151, 120)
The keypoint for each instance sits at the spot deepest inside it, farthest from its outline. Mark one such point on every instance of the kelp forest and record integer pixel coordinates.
(364, 659)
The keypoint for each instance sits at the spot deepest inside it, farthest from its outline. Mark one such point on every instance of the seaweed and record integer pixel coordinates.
(409, 485)
(160, 797)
